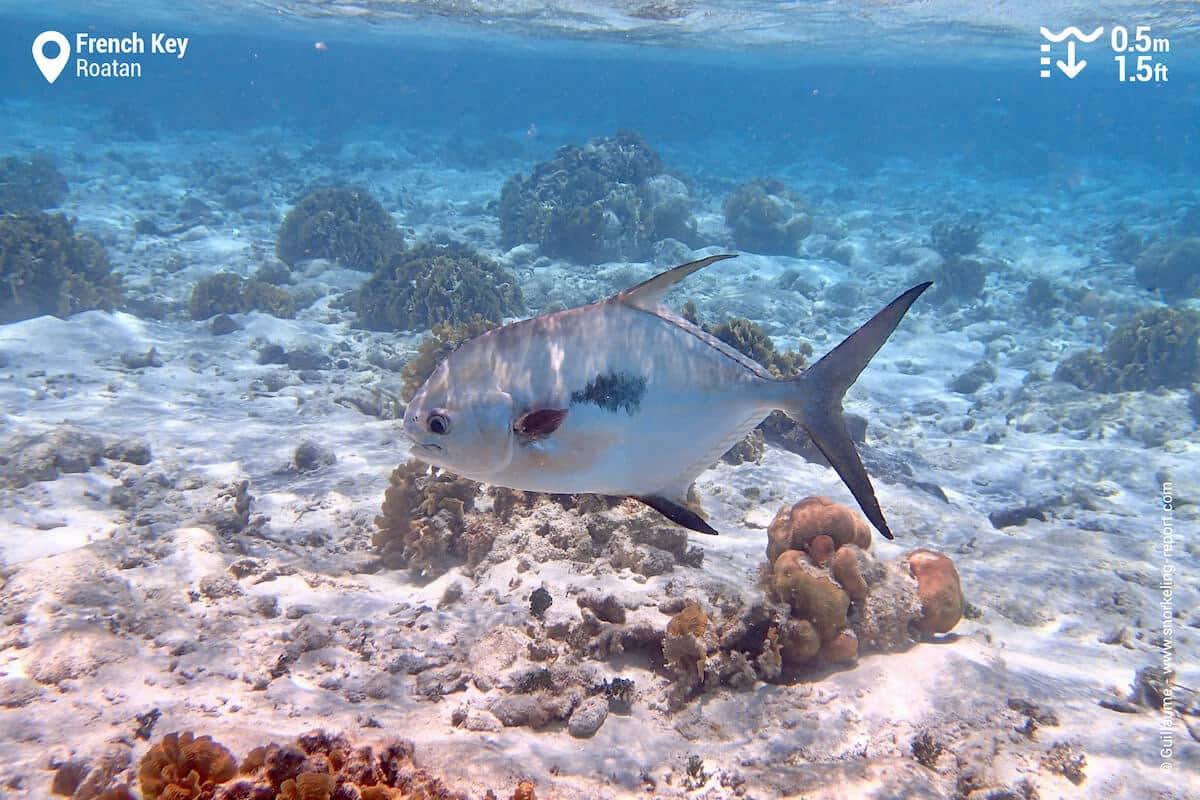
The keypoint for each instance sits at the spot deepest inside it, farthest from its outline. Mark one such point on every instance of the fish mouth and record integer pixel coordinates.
(430, 446)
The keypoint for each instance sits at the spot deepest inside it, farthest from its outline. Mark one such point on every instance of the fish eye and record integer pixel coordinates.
(438, 423)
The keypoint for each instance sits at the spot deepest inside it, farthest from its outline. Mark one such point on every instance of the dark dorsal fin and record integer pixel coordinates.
(539, 422)
(679, 514)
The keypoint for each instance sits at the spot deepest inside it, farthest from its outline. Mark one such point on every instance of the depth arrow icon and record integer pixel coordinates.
(1070, 67)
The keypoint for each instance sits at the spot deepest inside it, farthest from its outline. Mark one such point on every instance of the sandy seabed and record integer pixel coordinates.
(174, 561)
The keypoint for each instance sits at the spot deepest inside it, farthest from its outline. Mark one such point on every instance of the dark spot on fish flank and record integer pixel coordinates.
(616, 391)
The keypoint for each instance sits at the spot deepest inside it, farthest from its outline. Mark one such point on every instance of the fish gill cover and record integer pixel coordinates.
(221, 281)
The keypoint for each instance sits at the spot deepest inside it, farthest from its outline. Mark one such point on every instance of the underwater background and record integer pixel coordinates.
(221, 280)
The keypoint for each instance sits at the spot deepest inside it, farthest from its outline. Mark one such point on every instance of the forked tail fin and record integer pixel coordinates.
(818, 404)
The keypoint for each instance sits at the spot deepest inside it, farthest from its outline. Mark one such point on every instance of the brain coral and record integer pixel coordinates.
(607, 200)
(431, 284)
(30, 185)
(767, 217)
(46, 269)
(344, 223)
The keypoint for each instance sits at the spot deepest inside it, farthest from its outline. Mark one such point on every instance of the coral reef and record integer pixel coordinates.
(795, 527)
(45, 268)
(748, 338)
(767, 217)
(939, 589)
(183, 765)
(429, 522)
(1173, 269)
(345, 223)
(811, 595)
(1158, 348)
(226, 293)
(30, 185)
(687, 646)
(441, 342)
(316, 766)
(954, 239)
(816, 615)
(432, 284)
(609, 199)
(1062, 759)
(840, 599)
(960, 278)
(423, 526)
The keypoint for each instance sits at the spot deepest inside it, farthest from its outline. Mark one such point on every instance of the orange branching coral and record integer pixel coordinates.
(181, 766)
(524, 791)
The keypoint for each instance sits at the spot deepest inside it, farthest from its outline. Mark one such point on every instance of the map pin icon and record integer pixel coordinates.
(51, 67)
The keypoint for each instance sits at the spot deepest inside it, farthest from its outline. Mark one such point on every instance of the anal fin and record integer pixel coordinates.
(678, 513)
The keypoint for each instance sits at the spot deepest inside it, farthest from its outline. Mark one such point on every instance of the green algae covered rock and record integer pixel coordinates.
(1159, 348)
(1172, 269)
(344, 223)
(226, 293)
(767, 217)
(609, 199)
(749, 338)
(45, 268)
(436, 283)
(30, 185)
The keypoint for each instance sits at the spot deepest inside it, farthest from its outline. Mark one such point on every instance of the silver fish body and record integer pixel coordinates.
(623, 397)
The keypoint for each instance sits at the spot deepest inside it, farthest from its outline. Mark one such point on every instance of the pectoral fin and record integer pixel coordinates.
(678, 513)
(540, 422)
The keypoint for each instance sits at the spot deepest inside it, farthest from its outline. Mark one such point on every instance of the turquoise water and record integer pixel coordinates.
(194, 534)
(928, 91)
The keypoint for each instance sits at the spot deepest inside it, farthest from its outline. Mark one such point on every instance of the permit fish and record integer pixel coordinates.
(624, 397)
